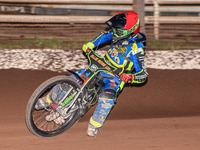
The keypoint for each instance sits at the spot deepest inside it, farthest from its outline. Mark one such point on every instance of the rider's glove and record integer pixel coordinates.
(126, 78)
(89, 45)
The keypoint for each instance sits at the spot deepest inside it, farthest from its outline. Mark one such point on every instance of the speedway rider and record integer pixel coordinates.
(126, 52)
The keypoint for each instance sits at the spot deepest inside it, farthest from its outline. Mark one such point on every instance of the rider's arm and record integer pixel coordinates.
(141, 38)
(140, 74)
(129, 77)
(99, 39)
(102, 38)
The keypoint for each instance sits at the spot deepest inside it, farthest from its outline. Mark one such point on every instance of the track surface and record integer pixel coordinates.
(164, 114)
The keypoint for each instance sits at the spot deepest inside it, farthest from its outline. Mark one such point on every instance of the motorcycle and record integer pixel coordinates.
(81, 95)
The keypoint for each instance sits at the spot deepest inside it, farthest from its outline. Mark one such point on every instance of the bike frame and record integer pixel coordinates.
(88, 78)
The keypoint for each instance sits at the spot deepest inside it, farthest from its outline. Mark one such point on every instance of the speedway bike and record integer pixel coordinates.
(81, 95)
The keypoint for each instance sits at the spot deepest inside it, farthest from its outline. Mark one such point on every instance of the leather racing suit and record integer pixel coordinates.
(128, 55)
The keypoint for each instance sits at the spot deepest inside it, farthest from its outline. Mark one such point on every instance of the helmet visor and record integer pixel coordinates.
(118, 21)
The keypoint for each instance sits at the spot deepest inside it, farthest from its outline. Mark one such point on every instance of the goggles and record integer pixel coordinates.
(123, 32)
(119, 32)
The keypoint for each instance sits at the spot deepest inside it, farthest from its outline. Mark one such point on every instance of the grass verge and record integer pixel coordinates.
(56, 43)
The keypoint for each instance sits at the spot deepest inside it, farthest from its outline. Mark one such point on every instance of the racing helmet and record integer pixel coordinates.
(124, 24)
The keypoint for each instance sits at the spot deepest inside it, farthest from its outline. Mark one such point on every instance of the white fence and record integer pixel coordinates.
(98, 1)
(154, 6)
(110, 5)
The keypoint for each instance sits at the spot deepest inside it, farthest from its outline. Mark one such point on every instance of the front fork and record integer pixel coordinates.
(66, 106)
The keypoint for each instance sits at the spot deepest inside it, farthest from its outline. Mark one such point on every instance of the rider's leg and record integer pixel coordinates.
(106, 101)
(55, 94)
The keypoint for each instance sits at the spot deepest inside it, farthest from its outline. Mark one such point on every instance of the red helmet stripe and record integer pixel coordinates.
(131, 19)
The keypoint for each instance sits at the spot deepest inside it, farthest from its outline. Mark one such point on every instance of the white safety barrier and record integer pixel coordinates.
(60, 60)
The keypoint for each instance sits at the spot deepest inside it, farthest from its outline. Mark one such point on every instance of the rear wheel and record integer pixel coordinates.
(36, 119)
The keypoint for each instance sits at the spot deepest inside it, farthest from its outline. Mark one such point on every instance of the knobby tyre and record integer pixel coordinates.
(35, 119)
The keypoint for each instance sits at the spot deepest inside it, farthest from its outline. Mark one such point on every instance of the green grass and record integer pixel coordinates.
(52, 43)
(172, 45)
(56, 43)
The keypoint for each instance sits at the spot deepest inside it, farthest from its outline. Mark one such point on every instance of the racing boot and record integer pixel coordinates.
(42, 103)
(92, 130)
(56, 117)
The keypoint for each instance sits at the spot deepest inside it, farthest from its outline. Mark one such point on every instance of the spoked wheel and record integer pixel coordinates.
(46, 122)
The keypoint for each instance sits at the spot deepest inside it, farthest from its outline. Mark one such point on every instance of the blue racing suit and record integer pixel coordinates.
(128, 55)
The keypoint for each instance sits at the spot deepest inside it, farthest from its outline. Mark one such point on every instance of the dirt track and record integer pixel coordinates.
(162, 115)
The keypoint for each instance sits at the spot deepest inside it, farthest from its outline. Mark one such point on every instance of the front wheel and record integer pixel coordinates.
(36, 119)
